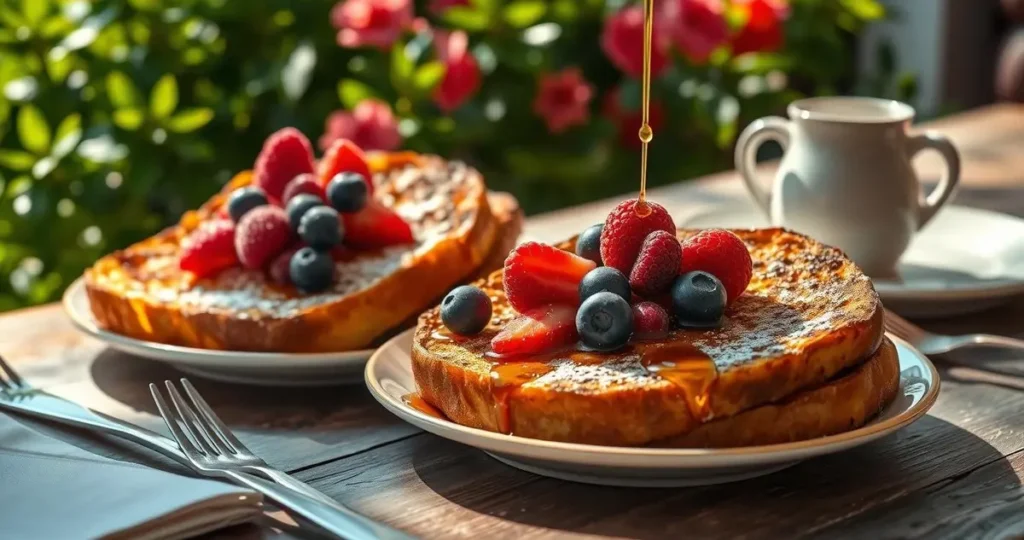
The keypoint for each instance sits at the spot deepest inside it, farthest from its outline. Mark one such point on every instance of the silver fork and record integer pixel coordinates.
(930, 343)
(213, 451)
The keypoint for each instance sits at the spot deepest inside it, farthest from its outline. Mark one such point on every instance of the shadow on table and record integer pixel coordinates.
(924, 468)
(126, 378)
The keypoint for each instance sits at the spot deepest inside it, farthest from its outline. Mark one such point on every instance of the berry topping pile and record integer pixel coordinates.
(296, 219)
(630, 278)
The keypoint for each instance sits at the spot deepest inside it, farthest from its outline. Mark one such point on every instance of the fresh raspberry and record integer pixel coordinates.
(657, 265)
(209, 249)
(376, 226)
(279, 269)
(303, 183)
(538, 274)
(624, 233)
(343, 156)
(261, 235)
(285, 155)
(649, 320)
(721, 254)
(537, 330)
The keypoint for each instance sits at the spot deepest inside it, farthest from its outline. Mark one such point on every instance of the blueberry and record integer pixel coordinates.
(466, 310)
(310, 270)
(698, 300)
(298, 206)
(321, 228)
(604, 321)
(588, 244)
(244, 199)
(347, 192)
(605, 278)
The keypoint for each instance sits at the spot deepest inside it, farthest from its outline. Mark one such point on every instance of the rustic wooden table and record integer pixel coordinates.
(956, 473)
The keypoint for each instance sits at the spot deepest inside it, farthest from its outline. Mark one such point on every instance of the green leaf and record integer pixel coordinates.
(868, 10)
(129, 119)
(428, 76)
(351, 92)
(523, 13)
(164, 98)
(34, 11)
(467, 18)
(401, 68)
(16, 160)
(189, 120)
(122, 91)
(33, 131)
(761, 63)
(69, 133)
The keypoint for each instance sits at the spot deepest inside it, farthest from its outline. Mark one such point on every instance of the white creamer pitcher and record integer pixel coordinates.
(846, 177)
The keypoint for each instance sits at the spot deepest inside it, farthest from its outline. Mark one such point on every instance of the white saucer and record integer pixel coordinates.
(268, 369)
(389, 377)
(964, 261)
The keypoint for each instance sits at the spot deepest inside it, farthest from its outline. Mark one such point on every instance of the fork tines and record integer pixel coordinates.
(194, 432)
(9, 379)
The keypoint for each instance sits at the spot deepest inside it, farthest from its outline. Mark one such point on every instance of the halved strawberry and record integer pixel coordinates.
(343, 156)
(538, 274)
(537, 330)
(376, 226)
(209, 249)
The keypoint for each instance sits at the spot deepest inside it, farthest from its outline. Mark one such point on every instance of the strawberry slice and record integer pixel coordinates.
(538, 274)
(209, 249)
(537, 330)
(376, 226)
(343, 156)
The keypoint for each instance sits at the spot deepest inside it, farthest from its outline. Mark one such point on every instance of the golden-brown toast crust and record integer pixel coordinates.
(139, 291)
(808, 313)
(839, 405)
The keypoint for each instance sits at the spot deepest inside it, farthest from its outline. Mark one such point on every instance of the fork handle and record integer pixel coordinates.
(342, 523)
(289, 481)
(990, 340)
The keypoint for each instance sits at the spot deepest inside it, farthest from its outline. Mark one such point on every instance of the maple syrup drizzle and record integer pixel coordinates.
(416, 401)
(646, 133)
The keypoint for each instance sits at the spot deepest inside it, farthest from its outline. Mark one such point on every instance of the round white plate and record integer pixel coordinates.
(389, 377)
(268, 369)
(964, 261)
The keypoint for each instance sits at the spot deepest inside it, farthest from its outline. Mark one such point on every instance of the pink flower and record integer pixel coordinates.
(563, 99)
(462, 73)
(698, 27)
(438, 7)
(370, 125)
(373, 23)
(623, 41)
(762, 31)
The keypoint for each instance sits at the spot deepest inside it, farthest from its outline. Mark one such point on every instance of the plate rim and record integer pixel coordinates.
(660, 457)
(203, 358)
(894, 291)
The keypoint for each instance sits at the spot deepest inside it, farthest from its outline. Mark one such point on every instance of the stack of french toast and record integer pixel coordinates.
(631, 333)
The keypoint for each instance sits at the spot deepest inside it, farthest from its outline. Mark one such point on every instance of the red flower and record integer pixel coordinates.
(374, 23)
(563, 99)
(697, 27)
(628, 120)
(462, 73)
(623, 41)
(370, 125)
(762, 31)
(438, 7)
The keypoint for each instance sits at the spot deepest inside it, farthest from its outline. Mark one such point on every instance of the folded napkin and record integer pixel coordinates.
(50, 488)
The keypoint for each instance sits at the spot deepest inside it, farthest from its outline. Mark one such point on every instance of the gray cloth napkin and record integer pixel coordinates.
(55, 490)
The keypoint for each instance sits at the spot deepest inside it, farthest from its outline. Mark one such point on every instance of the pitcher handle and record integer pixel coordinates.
(929, 204)
(757, 133)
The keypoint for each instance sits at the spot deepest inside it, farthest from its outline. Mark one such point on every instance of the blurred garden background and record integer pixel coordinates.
(118, 115)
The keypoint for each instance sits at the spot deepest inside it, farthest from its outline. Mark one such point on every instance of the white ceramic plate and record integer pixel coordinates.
(268, 369)
(389, 377)
(964, 261)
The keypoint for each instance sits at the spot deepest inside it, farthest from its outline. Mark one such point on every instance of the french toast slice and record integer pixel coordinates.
(141, 292)
(808, 314)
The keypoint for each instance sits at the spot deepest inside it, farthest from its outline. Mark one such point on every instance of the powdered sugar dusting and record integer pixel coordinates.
(570, 376)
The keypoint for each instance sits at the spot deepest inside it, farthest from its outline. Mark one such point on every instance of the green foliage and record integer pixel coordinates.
(118, 115)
